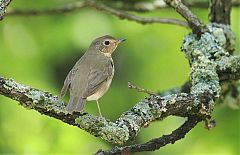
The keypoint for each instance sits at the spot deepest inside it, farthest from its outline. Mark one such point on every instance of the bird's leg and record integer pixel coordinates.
(99, 109)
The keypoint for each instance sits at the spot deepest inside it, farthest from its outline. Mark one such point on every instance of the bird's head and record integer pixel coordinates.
(105, 44)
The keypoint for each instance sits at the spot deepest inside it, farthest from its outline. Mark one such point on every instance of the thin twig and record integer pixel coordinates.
(67, 8)
(99, 6)
(143, 20)
(209, 124)
(131, 86)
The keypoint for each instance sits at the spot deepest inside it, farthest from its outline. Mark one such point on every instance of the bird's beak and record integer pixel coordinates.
(120, 40)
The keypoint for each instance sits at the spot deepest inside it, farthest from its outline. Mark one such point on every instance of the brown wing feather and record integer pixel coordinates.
(66, 84)
(70, 75)
(98, 76)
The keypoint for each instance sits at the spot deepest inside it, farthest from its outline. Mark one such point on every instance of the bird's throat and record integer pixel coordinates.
(109, 55)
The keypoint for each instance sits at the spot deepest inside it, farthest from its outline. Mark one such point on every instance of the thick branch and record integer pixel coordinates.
(156, 143)
(124, 129)
(195, 24)
(220, 11)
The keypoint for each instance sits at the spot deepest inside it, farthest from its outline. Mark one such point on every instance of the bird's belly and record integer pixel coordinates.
(101, 91)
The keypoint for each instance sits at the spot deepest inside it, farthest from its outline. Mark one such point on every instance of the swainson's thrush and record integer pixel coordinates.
(92, 74)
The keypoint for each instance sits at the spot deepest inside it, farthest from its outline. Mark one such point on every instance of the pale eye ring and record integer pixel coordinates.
(106, 42)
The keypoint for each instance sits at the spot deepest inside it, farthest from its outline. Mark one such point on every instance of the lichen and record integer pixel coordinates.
(107, 130)
(208, 46)
(10, 84)
(202, 54)
(3, 5)
(230, 44)
(204, 78)
(32, 98)
(115, 134)
(231, 63)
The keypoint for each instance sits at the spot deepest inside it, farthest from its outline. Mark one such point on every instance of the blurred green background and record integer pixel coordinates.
(40, 50)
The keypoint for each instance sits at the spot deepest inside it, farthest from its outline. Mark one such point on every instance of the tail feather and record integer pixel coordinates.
(80, 105)
(66, 84)
(64, 90)
(75, 104)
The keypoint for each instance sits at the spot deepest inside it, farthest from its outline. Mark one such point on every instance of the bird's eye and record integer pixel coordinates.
(106, 42)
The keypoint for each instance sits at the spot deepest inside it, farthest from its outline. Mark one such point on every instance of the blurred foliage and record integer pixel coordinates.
(40, 50)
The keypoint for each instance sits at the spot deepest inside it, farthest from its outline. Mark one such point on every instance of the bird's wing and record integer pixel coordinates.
(67, 82)
(70, 76)
(97, 76)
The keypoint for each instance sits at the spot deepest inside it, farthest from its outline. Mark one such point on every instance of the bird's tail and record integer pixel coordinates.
(75, 104)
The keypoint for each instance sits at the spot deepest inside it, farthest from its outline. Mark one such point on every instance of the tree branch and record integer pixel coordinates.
(195, 24)
(156, 143)
(99, 6)
(124, 129)
(3, 7)
(71, 7)
(142, 20)
(193, 21)
(145, 6)
(220, 11)
(131, 86)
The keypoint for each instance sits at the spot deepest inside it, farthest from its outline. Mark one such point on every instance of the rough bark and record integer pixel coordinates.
(195, 24)
(220, 11)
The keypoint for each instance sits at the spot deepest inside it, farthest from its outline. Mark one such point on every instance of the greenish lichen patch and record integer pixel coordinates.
(202, 54)
(229, 63)
(10, 84)
(32, 98)
(218, 33)
(107, 130)
(44, 100)
(3, 6)
(230, 41)
(115, 134)
(134, 121)
(204, 78)
(206, 46)
(90, 123)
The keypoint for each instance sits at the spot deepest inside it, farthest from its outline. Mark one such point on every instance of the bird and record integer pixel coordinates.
(92, 74)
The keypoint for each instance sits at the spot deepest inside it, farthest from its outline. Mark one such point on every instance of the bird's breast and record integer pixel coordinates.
(104, 86)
